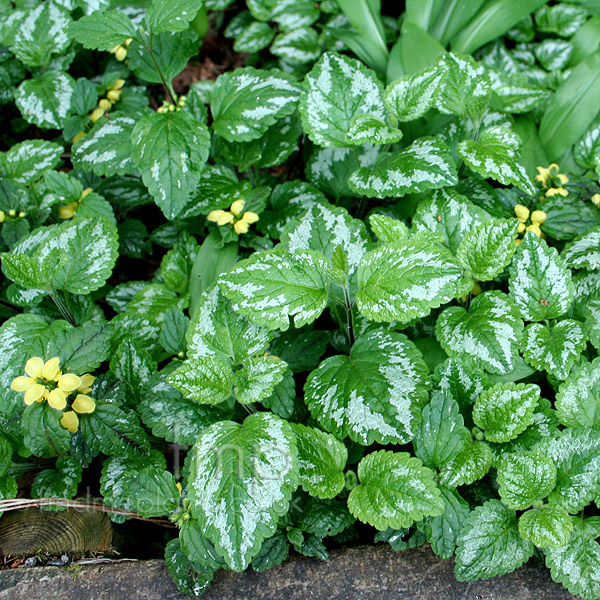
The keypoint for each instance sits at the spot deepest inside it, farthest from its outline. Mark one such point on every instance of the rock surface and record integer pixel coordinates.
(369, 573)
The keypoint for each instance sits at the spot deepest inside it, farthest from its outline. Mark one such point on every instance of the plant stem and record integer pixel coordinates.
(166, 83)
(62, 307)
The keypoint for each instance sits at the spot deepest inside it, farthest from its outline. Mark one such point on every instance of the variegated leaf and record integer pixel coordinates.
(577, 398)
(584, 251)
(29, 160)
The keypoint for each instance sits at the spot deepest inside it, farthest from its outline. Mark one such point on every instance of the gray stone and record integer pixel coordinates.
(367, 573)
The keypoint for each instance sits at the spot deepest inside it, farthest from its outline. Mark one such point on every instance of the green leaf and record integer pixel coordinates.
(297, 46)
(41, 34)
(426, 164)
(406, 280)
(246, 102)
(324, 228)
(395, 491)
(270, 287)
(60, 482)
(566, 218)
(553, 350)
(172, 15)
(207, 380)
(487, 335)
(549, 526)
(387, 229)
(540, 284)
(553, 54)
(258, 379)
(584, 251)
(525, 478)
(324, 518)
(441, 434)
(489, 543)
(321, 461)
(77, 256)
(113, 431)
(190, 578)
(106, 149)
(301, 350)
(469, 465)
(591, 325)
(366, 129)
(496, 154)
(43, 434)
(464, 89)
(133, 366)
(155, 493)
(588, 147)
(448, 214)
(102, 30)
(46, 101)
(337, 90)
(173, 330)
(576, 453)
(254, 37)
(442, 532)
(80, 349)
(272, 553)
(577, 398)
(170, 150)
(198, 548)
(488, 248)
(29, 160)
(410, 97)
(241, 481)
(375, 394)
(577, 565)
(505, 410)
(562, 19)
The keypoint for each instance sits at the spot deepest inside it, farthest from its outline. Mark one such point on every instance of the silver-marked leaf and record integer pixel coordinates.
(540, 284)
(577, 398)
(410, 97)
(324, 228)
(246, 102)
(591, 325)
(489, 543)
(375, 394)
(488, 248)
(29, 160)
(106, 149)
(576, 453)
(487, 335)
(548, 526)
(525, 478)
(470, 464)
(505, 410)
(337, 90)
(496, 155)
(206, 380)
(271, 287)
(46, 101)
(426, 164)
(387, 229)
(563, 19)
(321, 461)
(172, 15)
(553, 54)
(406, 280)
(241, 480)
(395, 490)
(102, 30)
(448, 214)
(218, 331)
(258, 379)
(254, 37)
(587, 148)
(577, 565)
(41, 34)
(554, 350)
(170, 150)
(367, 129)
(297, 46)
(584, 251)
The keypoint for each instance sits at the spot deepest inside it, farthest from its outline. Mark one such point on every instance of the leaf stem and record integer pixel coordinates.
(166, 83)
(62, 308)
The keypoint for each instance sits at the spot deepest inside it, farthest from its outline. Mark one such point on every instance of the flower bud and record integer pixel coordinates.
(121, 53)
(97, 114)
(105, 104)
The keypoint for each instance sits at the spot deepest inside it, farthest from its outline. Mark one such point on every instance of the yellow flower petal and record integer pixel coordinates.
(596, 199)
(69, 382)
(225, 219)
(241, 227)
(34, 394)
(518, 242)
(560, 191)
(237, 207)
(214, 215)
(522, 212)
(70, 421)
(34, 366)
(113, 50)
(476, 290)
(96, 114)
(563, 178)
(87, 381)
(121, 53)
(22, 383)
(105, 104)
(538, 217)
(57, 399)
(535, 229)
(113, 95)
(67, 211)
(118, 84)
(83, 404)
(521, 228)
(78, 137)
(85, 193)
(51, 368)
(250, 217)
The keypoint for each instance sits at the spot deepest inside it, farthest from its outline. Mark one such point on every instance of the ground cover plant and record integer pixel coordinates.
(352, 274)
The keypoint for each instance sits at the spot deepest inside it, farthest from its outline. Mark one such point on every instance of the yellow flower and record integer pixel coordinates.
(2, 216)
(552, 180)
(12, 212)
(559, 191)
(535, 228)
(34, 366)
(105, 104)
(97, 114)
(87, 381)
(538, 217)
(83, 404)
(596, 199)
(67, 211)
(113, 95)
(522, 212)
(57, 399)
(518, 242)
(85, 193)
(220, 217)
(117, 85)
(521, 228)
(35, 393)
(70, 421)
(244, 223)
(51, 369)
(121, 53)
(237, 207)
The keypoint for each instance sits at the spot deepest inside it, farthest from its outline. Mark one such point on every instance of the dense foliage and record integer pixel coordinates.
(355, 278)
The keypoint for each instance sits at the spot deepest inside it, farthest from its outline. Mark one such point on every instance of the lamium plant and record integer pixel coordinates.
(354, 275)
